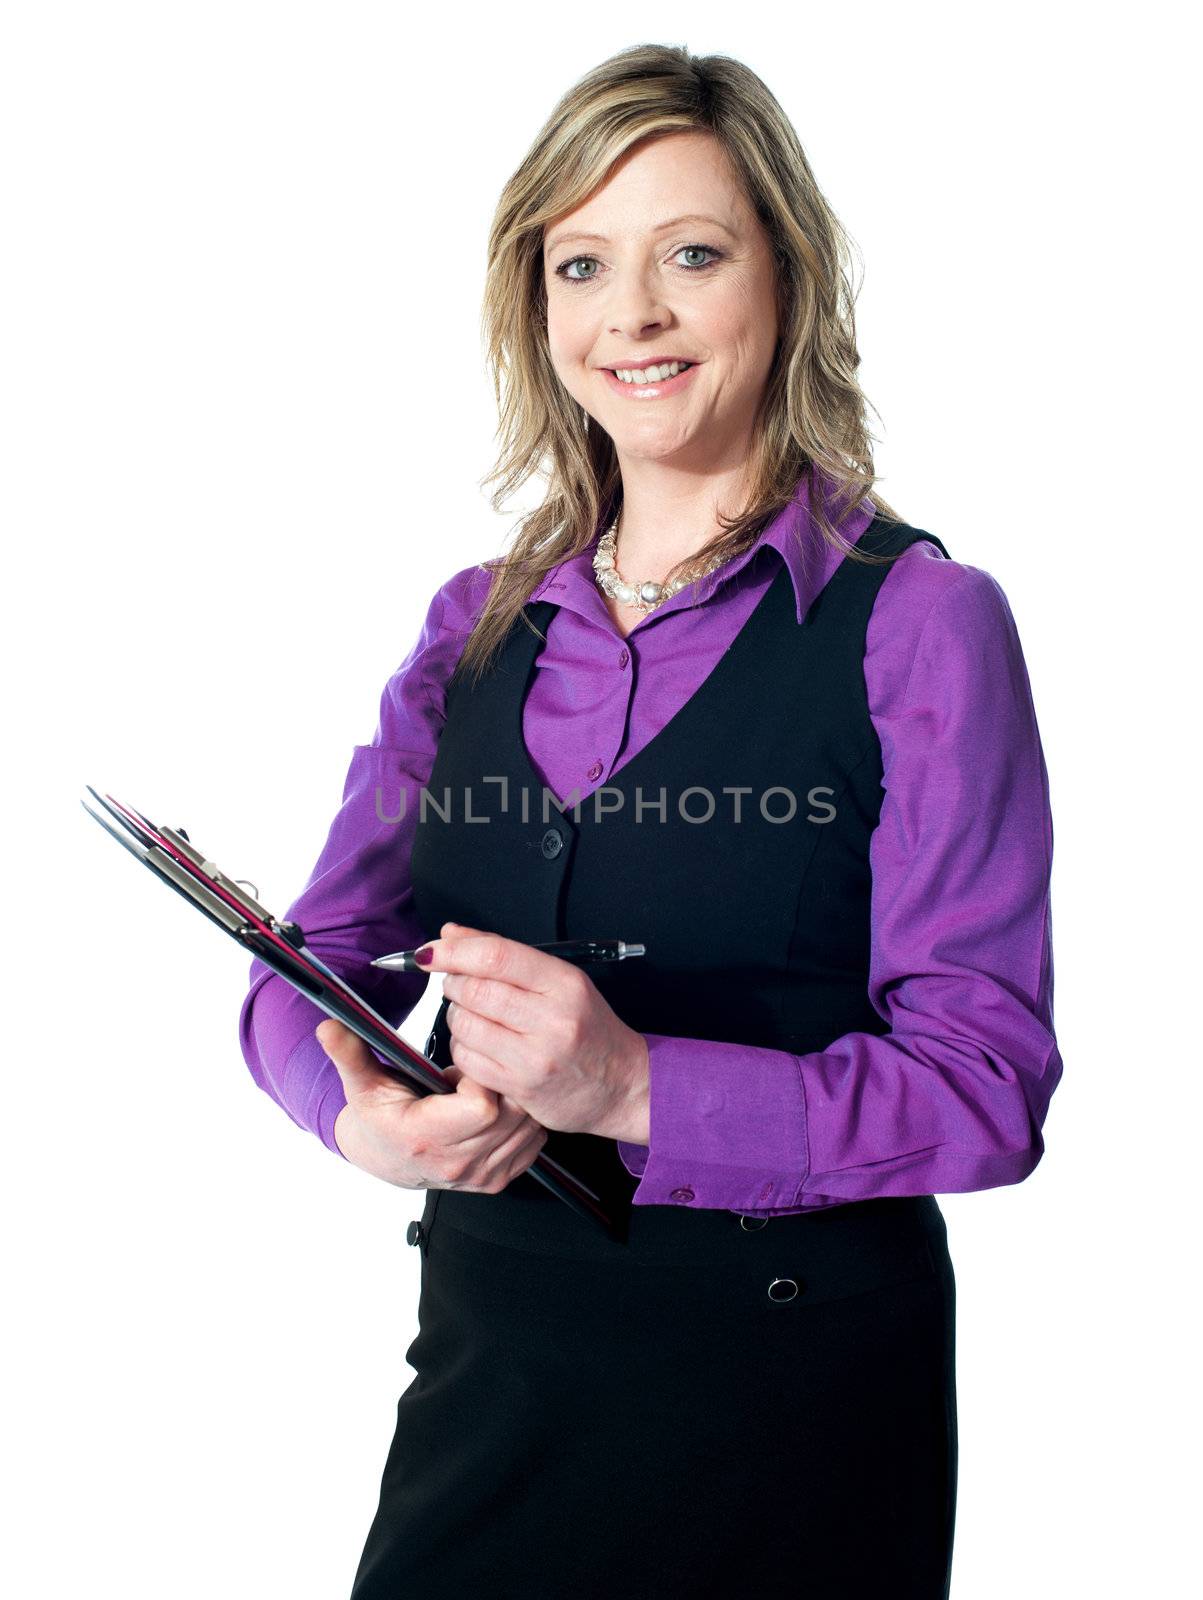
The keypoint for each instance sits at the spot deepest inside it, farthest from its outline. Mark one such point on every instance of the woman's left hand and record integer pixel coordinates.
(536, 1029)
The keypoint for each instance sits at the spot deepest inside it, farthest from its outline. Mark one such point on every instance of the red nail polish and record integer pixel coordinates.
(425, 955)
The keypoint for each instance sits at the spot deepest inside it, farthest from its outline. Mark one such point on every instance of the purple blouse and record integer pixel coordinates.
(954, 1096)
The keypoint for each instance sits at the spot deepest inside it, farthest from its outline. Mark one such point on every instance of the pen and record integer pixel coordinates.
(575, 950)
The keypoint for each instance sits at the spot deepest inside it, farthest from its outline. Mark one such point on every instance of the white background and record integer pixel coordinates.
(245, 419)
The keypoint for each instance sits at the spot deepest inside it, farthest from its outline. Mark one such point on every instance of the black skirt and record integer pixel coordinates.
(715, 1407)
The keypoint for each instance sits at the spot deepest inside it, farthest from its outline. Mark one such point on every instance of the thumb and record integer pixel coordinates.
(357, 1066)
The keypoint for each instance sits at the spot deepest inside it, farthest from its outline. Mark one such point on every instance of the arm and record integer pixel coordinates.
(357, 902)
(954, 1097)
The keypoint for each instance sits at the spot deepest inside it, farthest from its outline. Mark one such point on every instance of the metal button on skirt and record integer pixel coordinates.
(715, 1407)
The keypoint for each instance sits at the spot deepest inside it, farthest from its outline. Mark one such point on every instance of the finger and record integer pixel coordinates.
(469, 996)
(489, 955)
(471, 1092)
(455, 1074)
(491, 1052)
(508, 1103)
(471, 1111)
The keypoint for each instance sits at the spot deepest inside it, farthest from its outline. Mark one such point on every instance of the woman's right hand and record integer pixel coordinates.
(475, 1139)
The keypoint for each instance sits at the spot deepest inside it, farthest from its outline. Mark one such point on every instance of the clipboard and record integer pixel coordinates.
(172, 857)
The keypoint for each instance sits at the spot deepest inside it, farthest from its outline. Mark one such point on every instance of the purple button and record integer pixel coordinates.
(624, 657)
(595, 771)
(684, 1195)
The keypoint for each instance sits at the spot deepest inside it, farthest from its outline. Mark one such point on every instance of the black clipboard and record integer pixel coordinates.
(172, 857)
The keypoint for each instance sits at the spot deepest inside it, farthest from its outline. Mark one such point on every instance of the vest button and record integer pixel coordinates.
(552, 843)
(624, 657)
(683, 1195)
(595, 771)
(782, 1289)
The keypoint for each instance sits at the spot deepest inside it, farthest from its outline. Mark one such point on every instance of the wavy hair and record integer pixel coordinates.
(811, 418)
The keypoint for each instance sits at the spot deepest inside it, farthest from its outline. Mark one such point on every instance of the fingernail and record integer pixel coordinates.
(425, 955)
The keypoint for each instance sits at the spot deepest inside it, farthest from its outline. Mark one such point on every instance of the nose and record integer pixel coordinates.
(637, 309)
(636, 329)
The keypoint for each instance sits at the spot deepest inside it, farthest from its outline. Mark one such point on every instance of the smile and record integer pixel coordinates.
(651, 388)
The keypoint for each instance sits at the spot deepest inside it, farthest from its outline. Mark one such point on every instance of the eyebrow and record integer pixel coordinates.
(558, 239)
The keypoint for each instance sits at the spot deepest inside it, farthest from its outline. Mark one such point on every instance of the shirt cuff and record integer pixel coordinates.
(727, 1127)
(332, 1103)
(312, 1091)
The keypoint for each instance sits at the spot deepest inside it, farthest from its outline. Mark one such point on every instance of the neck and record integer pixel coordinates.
(652, 560)
(668, 518)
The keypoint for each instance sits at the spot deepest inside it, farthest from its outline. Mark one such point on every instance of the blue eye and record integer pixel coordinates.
(562, 270)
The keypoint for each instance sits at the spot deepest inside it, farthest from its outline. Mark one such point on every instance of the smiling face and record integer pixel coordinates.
(666, 261)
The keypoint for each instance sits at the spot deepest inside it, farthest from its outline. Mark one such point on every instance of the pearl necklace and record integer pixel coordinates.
(645, 596)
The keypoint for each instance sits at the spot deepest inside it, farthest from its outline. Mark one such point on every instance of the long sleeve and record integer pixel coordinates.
(357, 902)
(954, 1096)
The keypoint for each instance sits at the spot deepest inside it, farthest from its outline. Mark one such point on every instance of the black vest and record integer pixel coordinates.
(745, 874)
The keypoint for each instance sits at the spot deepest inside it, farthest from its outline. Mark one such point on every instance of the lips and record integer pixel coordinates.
(652, 361)
(651, 388)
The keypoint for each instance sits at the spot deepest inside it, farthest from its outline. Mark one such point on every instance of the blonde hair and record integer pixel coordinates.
(812, 415)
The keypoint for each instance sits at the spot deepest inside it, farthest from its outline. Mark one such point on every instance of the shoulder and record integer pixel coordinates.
(413, 702)
(933, 612)
(462, 598)
(454, 610)
(922, 579)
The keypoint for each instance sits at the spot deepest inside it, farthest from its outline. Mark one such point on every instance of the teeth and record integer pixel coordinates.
(651, 374)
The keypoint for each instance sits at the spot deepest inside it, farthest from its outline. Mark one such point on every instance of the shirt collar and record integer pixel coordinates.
(792, 533)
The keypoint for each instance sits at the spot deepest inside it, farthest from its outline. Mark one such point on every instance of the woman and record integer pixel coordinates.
(789, 746)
